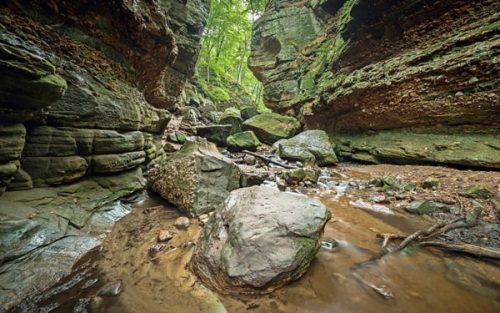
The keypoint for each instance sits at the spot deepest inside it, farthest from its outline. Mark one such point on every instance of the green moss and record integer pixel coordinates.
(479, 192)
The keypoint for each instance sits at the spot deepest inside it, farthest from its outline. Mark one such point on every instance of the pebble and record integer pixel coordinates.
(154, 249)
(249, 160)
(188, 244)
(182, 222)
(111, 289)
(203, 219)
(329, 244)
(164, 235)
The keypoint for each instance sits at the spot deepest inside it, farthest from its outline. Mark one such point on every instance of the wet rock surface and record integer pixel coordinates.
(260, 240)
(45, 231)
(334, 279)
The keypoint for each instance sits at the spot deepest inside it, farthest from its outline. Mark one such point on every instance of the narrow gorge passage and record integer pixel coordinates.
(249, 156)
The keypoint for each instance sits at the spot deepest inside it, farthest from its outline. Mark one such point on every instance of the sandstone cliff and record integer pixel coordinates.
(85, 89)
(391, 80)
(85, 85)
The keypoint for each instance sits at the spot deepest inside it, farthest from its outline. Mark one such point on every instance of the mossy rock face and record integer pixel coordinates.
(402, 147)
(65, 141)
(310, 145)
(271, 127)
(114, 163)
(215, 133)
(28, 82)
(242, 248)
(243, 141)
(52, 171)
(197, 178)
(12, 138)
(232, 116)
(392, 184)
(426, 207)
(248, 112)
(295, 176)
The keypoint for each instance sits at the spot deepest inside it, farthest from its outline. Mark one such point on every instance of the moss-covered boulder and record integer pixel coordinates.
(426, 207)
(295, 176)
(310, 145)
(271, 127)
(248, 112)
(259, 240)
(243, 141)
(232, 116)
(478, 192)
(215, 133)
(197, 178)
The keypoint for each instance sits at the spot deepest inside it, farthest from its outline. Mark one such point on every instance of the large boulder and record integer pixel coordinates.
(243, 141)
(215, 133)
(308, 145)
(232, 116)
(271, 127)
(259, 240)
(197, 178)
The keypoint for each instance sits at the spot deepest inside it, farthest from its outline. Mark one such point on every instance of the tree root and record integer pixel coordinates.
(268, 160)
(421, 237)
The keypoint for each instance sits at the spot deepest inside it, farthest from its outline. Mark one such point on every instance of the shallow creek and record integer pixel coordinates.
(419, 280)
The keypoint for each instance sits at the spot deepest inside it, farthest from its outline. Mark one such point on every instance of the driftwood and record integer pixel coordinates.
(422, 237)
(486, 252)
(268, 160)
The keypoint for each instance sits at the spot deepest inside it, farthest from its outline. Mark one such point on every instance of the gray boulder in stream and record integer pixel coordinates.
(310, 145)
(260, 240)
(197, 178)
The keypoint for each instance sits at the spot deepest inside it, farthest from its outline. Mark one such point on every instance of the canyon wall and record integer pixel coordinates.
(391, 80)
(85, 85)
(85, 93)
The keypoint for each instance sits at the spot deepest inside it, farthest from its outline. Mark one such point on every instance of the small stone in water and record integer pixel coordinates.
(111, 289)
(182, 222)
(164, 235)
(156, 248)
(329, 244)
(188, 244)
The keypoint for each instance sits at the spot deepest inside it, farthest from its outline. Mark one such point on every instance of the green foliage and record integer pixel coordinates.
(222, 67)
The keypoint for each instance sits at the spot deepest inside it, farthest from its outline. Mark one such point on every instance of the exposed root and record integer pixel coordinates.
(268, 160)
(421, 237)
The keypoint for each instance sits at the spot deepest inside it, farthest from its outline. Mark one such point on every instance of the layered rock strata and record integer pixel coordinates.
(84, 92)
(386, 67)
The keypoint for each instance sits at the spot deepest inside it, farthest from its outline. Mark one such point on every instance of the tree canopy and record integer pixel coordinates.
(226, 45)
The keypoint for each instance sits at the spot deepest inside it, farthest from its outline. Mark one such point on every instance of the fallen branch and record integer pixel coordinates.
(268, 160)
(465, 248)
(387, 237)
(442, 228)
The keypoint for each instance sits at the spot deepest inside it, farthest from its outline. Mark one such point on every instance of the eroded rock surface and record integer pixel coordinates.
(197, 178)
(259, 240)
(396, 69)
(84, 88)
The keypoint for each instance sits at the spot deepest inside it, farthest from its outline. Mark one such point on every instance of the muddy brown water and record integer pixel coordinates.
(419, 280)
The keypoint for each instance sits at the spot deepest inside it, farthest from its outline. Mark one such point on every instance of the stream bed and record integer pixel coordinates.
(414, 280)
